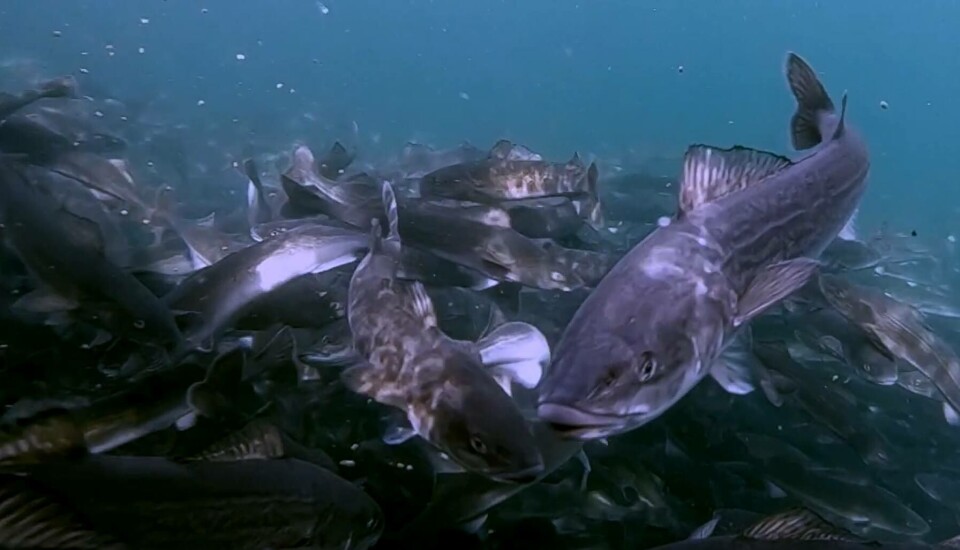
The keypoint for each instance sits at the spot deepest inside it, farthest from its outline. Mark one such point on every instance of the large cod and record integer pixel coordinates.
(747, 234)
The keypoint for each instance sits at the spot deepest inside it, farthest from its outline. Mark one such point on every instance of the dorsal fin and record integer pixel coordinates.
(710, 173)
(575, 160)
(390, 209)
(843, 116)
(501, 149)
(796, 524)
(303, 160)
(422, 304)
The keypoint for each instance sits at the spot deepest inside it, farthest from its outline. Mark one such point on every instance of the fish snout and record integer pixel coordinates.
(526, 475)
(572, 423)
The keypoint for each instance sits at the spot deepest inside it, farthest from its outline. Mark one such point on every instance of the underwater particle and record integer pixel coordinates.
(663, 221)
(201, 103)
(84, 71)
(680, 69)
(141, 50)
(241, 57)
(57, 34)
(279, 85)
(465, 96)
(884, 105)
(204, 10)
(951, 238)
(347, 463)
(144, 20)
(292, 91)
(322, 8)
(913, 232)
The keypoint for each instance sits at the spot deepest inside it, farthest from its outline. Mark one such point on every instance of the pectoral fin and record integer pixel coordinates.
(772, 285)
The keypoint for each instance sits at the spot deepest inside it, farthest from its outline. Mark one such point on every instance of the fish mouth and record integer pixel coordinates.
(572, 423)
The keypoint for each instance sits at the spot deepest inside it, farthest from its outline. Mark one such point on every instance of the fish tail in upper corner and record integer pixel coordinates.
(811, 121)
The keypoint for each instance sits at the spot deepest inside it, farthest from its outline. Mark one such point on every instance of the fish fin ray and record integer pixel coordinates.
(797, 524)
(841, 126)
(422, 304)
(516, 350)
(772, 285)
(711, 173)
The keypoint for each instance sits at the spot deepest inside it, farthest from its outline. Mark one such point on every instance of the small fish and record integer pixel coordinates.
(500, 177)
(218, 295)
(156, 402)
(901, 330)
(448, 396)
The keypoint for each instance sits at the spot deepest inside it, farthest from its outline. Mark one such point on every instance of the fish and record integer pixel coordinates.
(482, 240)
(152, 403)
(149, 502)
(795, 529)
(219, 295)
(64, 86)
(449, 398)
(501, 178)
(747, 234)
(832, 333)
(71, 274)
(902, 331)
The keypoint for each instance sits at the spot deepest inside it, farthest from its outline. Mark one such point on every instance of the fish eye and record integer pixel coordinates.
(478, 445)
(648, 367)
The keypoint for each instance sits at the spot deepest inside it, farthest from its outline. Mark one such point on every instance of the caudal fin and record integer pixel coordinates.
(812, 101)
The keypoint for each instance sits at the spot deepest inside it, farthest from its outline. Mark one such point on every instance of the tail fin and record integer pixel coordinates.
(812, 100)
